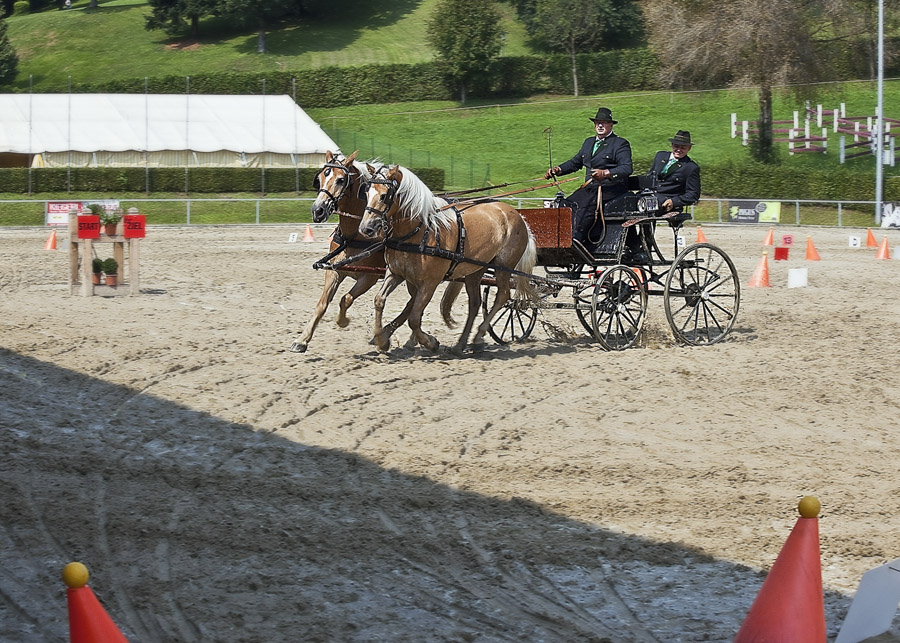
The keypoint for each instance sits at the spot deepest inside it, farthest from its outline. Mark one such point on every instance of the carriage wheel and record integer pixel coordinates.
(513, 322)
(584, 298)
(618, 309)
(702, 295)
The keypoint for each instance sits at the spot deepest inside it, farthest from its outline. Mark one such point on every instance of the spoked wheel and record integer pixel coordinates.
(619, 307)
(513, 322)
(584, 298)
(702, 295)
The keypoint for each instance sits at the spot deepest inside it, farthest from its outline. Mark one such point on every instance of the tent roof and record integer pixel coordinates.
(37, 123)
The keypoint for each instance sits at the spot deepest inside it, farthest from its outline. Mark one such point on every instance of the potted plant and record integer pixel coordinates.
(110, 220)
(96, 268)
(110, 269)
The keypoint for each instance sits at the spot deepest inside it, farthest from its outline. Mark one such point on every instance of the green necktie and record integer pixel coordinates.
(597, 145)
(667, 167)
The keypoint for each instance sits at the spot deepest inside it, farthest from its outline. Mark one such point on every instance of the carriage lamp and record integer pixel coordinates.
(648, 203)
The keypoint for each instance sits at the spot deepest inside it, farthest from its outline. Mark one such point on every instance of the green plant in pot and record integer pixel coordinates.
(96, 269)
(96, 208)
(110, 269)
(109, 221)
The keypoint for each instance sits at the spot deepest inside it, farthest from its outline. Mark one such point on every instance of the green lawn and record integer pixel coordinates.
(110, 42)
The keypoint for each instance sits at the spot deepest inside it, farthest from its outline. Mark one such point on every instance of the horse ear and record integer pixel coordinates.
(370, 169)
(329, 156)
(351, 158)
(395, 174)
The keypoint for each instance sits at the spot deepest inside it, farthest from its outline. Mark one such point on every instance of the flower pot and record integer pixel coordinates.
(110, 229)
(95, 278)
(111, 280)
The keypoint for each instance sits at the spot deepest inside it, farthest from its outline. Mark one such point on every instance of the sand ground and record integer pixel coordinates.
(222, 488)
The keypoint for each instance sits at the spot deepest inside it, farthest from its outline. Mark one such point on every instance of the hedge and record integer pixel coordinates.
(336, 86)
(178, 180)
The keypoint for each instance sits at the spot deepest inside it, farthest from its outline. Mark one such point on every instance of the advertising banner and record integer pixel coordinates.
(57, 213)
(754, 211)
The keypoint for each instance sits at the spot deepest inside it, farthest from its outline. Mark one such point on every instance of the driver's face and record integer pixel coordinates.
(680, 151)
(603, 128)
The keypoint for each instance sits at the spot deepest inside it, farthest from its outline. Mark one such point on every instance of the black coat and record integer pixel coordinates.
(614, 155)
(681, 183)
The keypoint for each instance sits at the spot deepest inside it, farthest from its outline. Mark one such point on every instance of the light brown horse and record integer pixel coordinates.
(424, 246)
(338, 184)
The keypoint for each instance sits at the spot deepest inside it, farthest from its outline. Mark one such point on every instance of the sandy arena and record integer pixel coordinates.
(222, 488)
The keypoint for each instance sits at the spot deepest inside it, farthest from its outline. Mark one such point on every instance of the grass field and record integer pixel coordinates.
(110, 42)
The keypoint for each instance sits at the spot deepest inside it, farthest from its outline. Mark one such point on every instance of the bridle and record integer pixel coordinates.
(332, 198)
(387, 199)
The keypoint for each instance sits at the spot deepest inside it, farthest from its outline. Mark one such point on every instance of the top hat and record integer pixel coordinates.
(682, 137)
(603, 114)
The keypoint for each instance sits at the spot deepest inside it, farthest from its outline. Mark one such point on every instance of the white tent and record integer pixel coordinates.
(158, 130)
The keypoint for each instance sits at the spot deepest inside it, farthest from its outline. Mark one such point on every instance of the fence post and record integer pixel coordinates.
(719, 202)
(798, 212)
(840, 223)
(188, 201)
(257, 212)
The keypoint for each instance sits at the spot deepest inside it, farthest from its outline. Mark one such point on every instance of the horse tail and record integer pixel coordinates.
(525, 290)
(450, 294)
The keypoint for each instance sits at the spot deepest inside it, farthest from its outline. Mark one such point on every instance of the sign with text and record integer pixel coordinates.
(787, 239)
(57, 213)
(89, 227)
(135, 226)
(754, 211)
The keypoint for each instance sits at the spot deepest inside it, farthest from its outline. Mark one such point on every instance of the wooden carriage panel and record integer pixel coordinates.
(552, 227)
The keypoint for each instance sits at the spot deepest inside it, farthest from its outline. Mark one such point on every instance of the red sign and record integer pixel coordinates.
(135, 226)
(89, 227)
(787, 240)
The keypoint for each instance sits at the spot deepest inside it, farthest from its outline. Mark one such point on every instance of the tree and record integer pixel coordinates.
(621, 27)
(572, 26)
(9, 61)
(173, 16)
(466, 34)
(260, 13)
(762, 43)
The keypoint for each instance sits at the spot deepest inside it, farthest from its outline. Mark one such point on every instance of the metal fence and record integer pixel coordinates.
(206, 211)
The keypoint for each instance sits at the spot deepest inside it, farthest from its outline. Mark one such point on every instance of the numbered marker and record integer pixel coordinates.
(292, 238)
(787, 240)
(681, 242)
(855, 242)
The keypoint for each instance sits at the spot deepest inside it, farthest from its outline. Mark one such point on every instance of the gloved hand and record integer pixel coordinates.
(553, 171)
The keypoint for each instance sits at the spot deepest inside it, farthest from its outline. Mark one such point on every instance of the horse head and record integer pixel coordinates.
(381, 201)
(332, 183)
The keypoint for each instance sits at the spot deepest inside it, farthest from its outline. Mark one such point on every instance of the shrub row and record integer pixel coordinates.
(177, 180)
(335, 86)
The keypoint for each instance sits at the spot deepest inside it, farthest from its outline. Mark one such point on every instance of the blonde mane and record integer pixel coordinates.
(419, 202)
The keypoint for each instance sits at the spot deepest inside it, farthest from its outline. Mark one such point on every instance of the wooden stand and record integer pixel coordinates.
(84, 285)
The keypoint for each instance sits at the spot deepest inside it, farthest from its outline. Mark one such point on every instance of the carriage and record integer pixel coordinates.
(606, 287)
(609, 291)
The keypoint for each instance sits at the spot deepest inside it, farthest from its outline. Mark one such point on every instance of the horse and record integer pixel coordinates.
(338, 186)
(427, 240)
(339, 189)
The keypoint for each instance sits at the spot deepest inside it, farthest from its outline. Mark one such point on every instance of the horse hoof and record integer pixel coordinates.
(298, 347)
(342, 322)
(458, 351)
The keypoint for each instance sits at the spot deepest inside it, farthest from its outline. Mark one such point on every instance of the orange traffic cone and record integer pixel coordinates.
(309, 235)
(51, 242)
(770, 238)
(760, 278)
(883, 251)
(870, 239)
(701, 238)
(790, 605)
(811, 253)
(88, 621)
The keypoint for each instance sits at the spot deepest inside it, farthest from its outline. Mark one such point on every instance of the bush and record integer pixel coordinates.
(21, 8)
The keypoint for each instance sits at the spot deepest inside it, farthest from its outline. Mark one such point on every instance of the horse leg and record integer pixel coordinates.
(503, 294)
(473, 290)
(382, 335)
(361, 286)
(400, 319)
(333, 279)
(423, 295)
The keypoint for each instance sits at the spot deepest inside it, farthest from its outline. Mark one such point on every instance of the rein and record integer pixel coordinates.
(494, 197)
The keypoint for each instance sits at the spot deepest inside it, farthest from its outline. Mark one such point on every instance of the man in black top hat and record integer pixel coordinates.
(677, 175)
(606, 159)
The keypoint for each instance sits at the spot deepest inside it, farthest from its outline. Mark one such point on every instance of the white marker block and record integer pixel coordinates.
(855, 242)
(292, 238)
(680, 241)
(798, 277)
